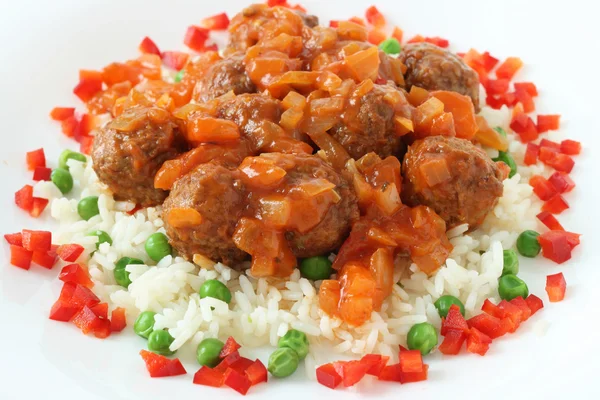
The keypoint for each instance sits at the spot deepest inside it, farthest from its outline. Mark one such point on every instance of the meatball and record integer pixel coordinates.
(433, 68)
(469, 190)
(219, 196)
(247, 110)
(329, 234)
(130, 149)
(228, 74)
(372, 129)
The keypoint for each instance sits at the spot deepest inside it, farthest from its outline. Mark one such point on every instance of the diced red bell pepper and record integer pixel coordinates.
(391, 373)
(488, 61)
(487, 324)
(69, 252)
(37, 240)
(376, 363)
(85, 144)
(550, 221)
(531, 154)
(90, 75)
(82, 296)
(478, 342)
(438, 41)
(86, 89)
(556, 204)
(38, 206)
(570, 147)
(411, 361)
(524, 127)
(103, 329)
(228, 362)
(69, 126)
(562, 182)
(14, 238)
(237, 381)
(555, 246)
(41, 174)
(175, 59)
(76, 274)
(118, 320)
(547, 123)
(242, 364)
(358, 21)
(528, 87)
(195, 37)
(490, 308)
(257, 372)
(274, 3)
(534, 303)
(87, 124)
(46, 259)
(101, 310)
(147, 46)
(20, 257)
(209, 377)
(375, 36)
(63, 309)
(62, 113)
(160, 366)
(397, 34)
(522, 304)
(514, 313)
(35, 158)
(453, 341)
(408, 377)
(231, 346)
(333, 23)
(327, 376)
(496, 86)
(24, 198)
(556, 286)
(550, 144)
(454, 320)
(218, 22)
(509, 68)
(525, 99)
(542, 188)
(86, 320)
(351, 371)
(375, 17)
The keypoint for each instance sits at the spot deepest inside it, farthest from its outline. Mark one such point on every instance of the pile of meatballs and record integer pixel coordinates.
(127, 161)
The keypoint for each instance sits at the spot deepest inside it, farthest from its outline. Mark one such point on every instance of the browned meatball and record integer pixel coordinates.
(335, 225)
(433, 68)
(219, 196)
(228, 74)
(130, 149)
(372, 129)
(468, 192)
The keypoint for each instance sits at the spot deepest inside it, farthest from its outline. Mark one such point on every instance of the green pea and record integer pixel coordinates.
(444, 303)
(390, 46)
(283, 362)
(69, 155)
(528, 245)
(179, 76)
(121, 274)
(159, 342)
(500, 131)
(103, 237)
(296, 341)
(144, 324)
(422, 337)
(316, 268)
(511, 263)
(508, 160)
(62, 179)
(215, 289)
(511, 286)
(157, 246)
(208, 352)
(88, 207)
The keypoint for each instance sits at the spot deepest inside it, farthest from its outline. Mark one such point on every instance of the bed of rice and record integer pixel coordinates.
(262, 309)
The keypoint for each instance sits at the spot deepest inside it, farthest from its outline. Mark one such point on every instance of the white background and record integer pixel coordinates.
(44, 43)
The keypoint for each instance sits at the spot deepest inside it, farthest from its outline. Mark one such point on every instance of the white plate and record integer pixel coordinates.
(44, 43)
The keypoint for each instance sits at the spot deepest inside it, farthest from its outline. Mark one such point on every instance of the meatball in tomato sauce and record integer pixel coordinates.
(453, 177)
(228, 74)
(130, 149)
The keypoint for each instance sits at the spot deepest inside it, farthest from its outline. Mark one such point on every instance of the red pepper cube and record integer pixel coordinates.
(570, 147)
(86, 320)
(531, 154)
(542, 188)
(453, 341)
(69, 252)
(102, 329)
(76, 274)
(257, 372)
(195, 37)
(36, 158)
(496, 86)
(524, 127)
(218, 22)
(62, 113)
(522, 304)
(562, 182)
(230, 347)
(550, 144)
(509, 68)
(20, 257)
(487, 324)
(237, 381)
(514, 313)
(547, 123)
(375, 17)
(478, 342)
(46, 259)
(14, 238)
(535, 303)
(397, 34)
(454, 320)
(242, 364)
(69, 126)
(408, 377)
(273, 3)
(528, 87)
(526, 100)
(147, 46)
(39, 205)
(351, 372)
(37, 240)
(101, 310)
(556, 204)
(556, 286)
(327, 376)
(85, 144)
(175, 59)
(41, 174)
(550, 221)
(118, 320)
(492, 309)
(228, 361)
(376, 36)
(63, 309)
(160, 366)
(86, 89)
(376, 363)
(560, 162)
(555, 246)
(208, 377)
(24, 198)
(411, 361)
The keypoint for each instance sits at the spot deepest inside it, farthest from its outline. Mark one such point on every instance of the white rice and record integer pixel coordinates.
(262, 310)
